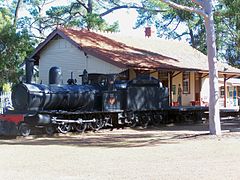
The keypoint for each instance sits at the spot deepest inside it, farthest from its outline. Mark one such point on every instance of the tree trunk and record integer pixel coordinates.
(214, 114)
(90, 7)
(89, 13)
(207, 12)
(16, 13)
(192, 38)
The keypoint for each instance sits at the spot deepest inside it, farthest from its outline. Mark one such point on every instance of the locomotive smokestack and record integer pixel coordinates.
(29, 70)
(55, 75)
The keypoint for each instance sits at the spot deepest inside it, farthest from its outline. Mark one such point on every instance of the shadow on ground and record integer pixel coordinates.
(131, 138)
(126, 138)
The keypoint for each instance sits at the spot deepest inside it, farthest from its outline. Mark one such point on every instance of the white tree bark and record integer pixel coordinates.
(199, 11)
(206, 10)
(214, 116)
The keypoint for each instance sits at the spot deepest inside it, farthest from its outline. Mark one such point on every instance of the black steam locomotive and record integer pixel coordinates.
(101, 100)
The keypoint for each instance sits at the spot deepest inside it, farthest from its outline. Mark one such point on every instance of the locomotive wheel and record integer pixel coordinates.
(134, 122)
(80, 127)
(132, 119)
(99, 124)
(157, 119)
(49, 130)
(144, 124)
(144, 121)
(24, 129)
(64, 128)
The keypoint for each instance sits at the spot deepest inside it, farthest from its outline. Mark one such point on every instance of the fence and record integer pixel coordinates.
(5, 101)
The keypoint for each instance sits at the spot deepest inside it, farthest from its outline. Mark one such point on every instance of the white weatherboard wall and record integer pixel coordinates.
(63, 54)
(186, 98)
(230, 101)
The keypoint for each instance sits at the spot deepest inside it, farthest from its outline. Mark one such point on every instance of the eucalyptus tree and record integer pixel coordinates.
(14, 47)
(174, 23)
(228, 16)
(178, 24)
(16, 13)
(88, 14)
(204, 8)
(34, 18)
(79, 13)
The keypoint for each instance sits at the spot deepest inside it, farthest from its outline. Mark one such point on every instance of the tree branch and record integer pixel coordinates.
(127, 7)
(183, 34)
(199, 2)
(103, 5)
(72, 6)
(46, 3)
(82, 4)
(74, 15)
(170, 22)
(17, 9)
(185, 8)
(176, 26)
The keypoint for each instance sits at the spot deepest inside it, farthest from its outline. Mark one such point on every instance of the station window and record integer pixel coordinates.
(186, 82)
(222, 91)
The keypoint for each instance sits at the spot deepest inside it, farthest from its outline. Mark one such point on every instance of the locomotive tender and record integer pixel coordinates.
(101, 100)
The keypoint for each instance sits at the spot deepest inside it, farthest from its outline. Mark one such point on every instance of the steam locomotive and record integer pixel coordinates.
(100, 101)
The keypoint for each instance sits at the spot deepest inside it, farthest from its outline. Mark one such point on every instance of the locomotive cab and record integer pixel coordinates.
(114, 97)
(142, 93)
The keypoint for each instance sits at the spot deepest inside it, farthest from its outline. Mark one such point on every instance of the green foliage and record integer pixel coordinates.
(228, 17)
(77, 15)
(170, 23)
(85, 14)
(6, 87)
(94, 21)
(173, 23)
(14, 48)
(5, 16)
(16, 44)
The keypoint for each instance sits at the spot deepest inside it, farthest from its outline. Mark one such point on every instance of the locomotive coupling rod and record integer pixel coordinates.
(79, 121)
(63, 121)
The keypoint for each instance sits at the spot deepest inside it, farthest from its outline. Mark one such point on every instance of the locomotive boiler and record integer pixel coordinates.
(35, 97)
(100, 101)
(55, 96)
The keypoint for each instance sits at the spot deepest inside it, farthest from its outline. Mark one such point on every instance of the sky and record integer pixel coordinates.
(125, 17)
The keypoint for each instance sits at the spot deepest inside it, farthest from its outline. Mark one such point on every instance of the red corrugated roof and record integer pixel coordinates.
(109, 50)
(116, 52)
(126, 52)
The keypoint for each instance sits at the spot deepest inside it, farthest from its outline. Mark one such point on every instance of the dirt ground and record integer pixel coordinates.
(183, 151)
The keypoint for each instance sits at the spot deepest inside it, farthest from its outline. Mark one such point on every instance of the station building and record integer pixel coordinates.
(175, 63)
